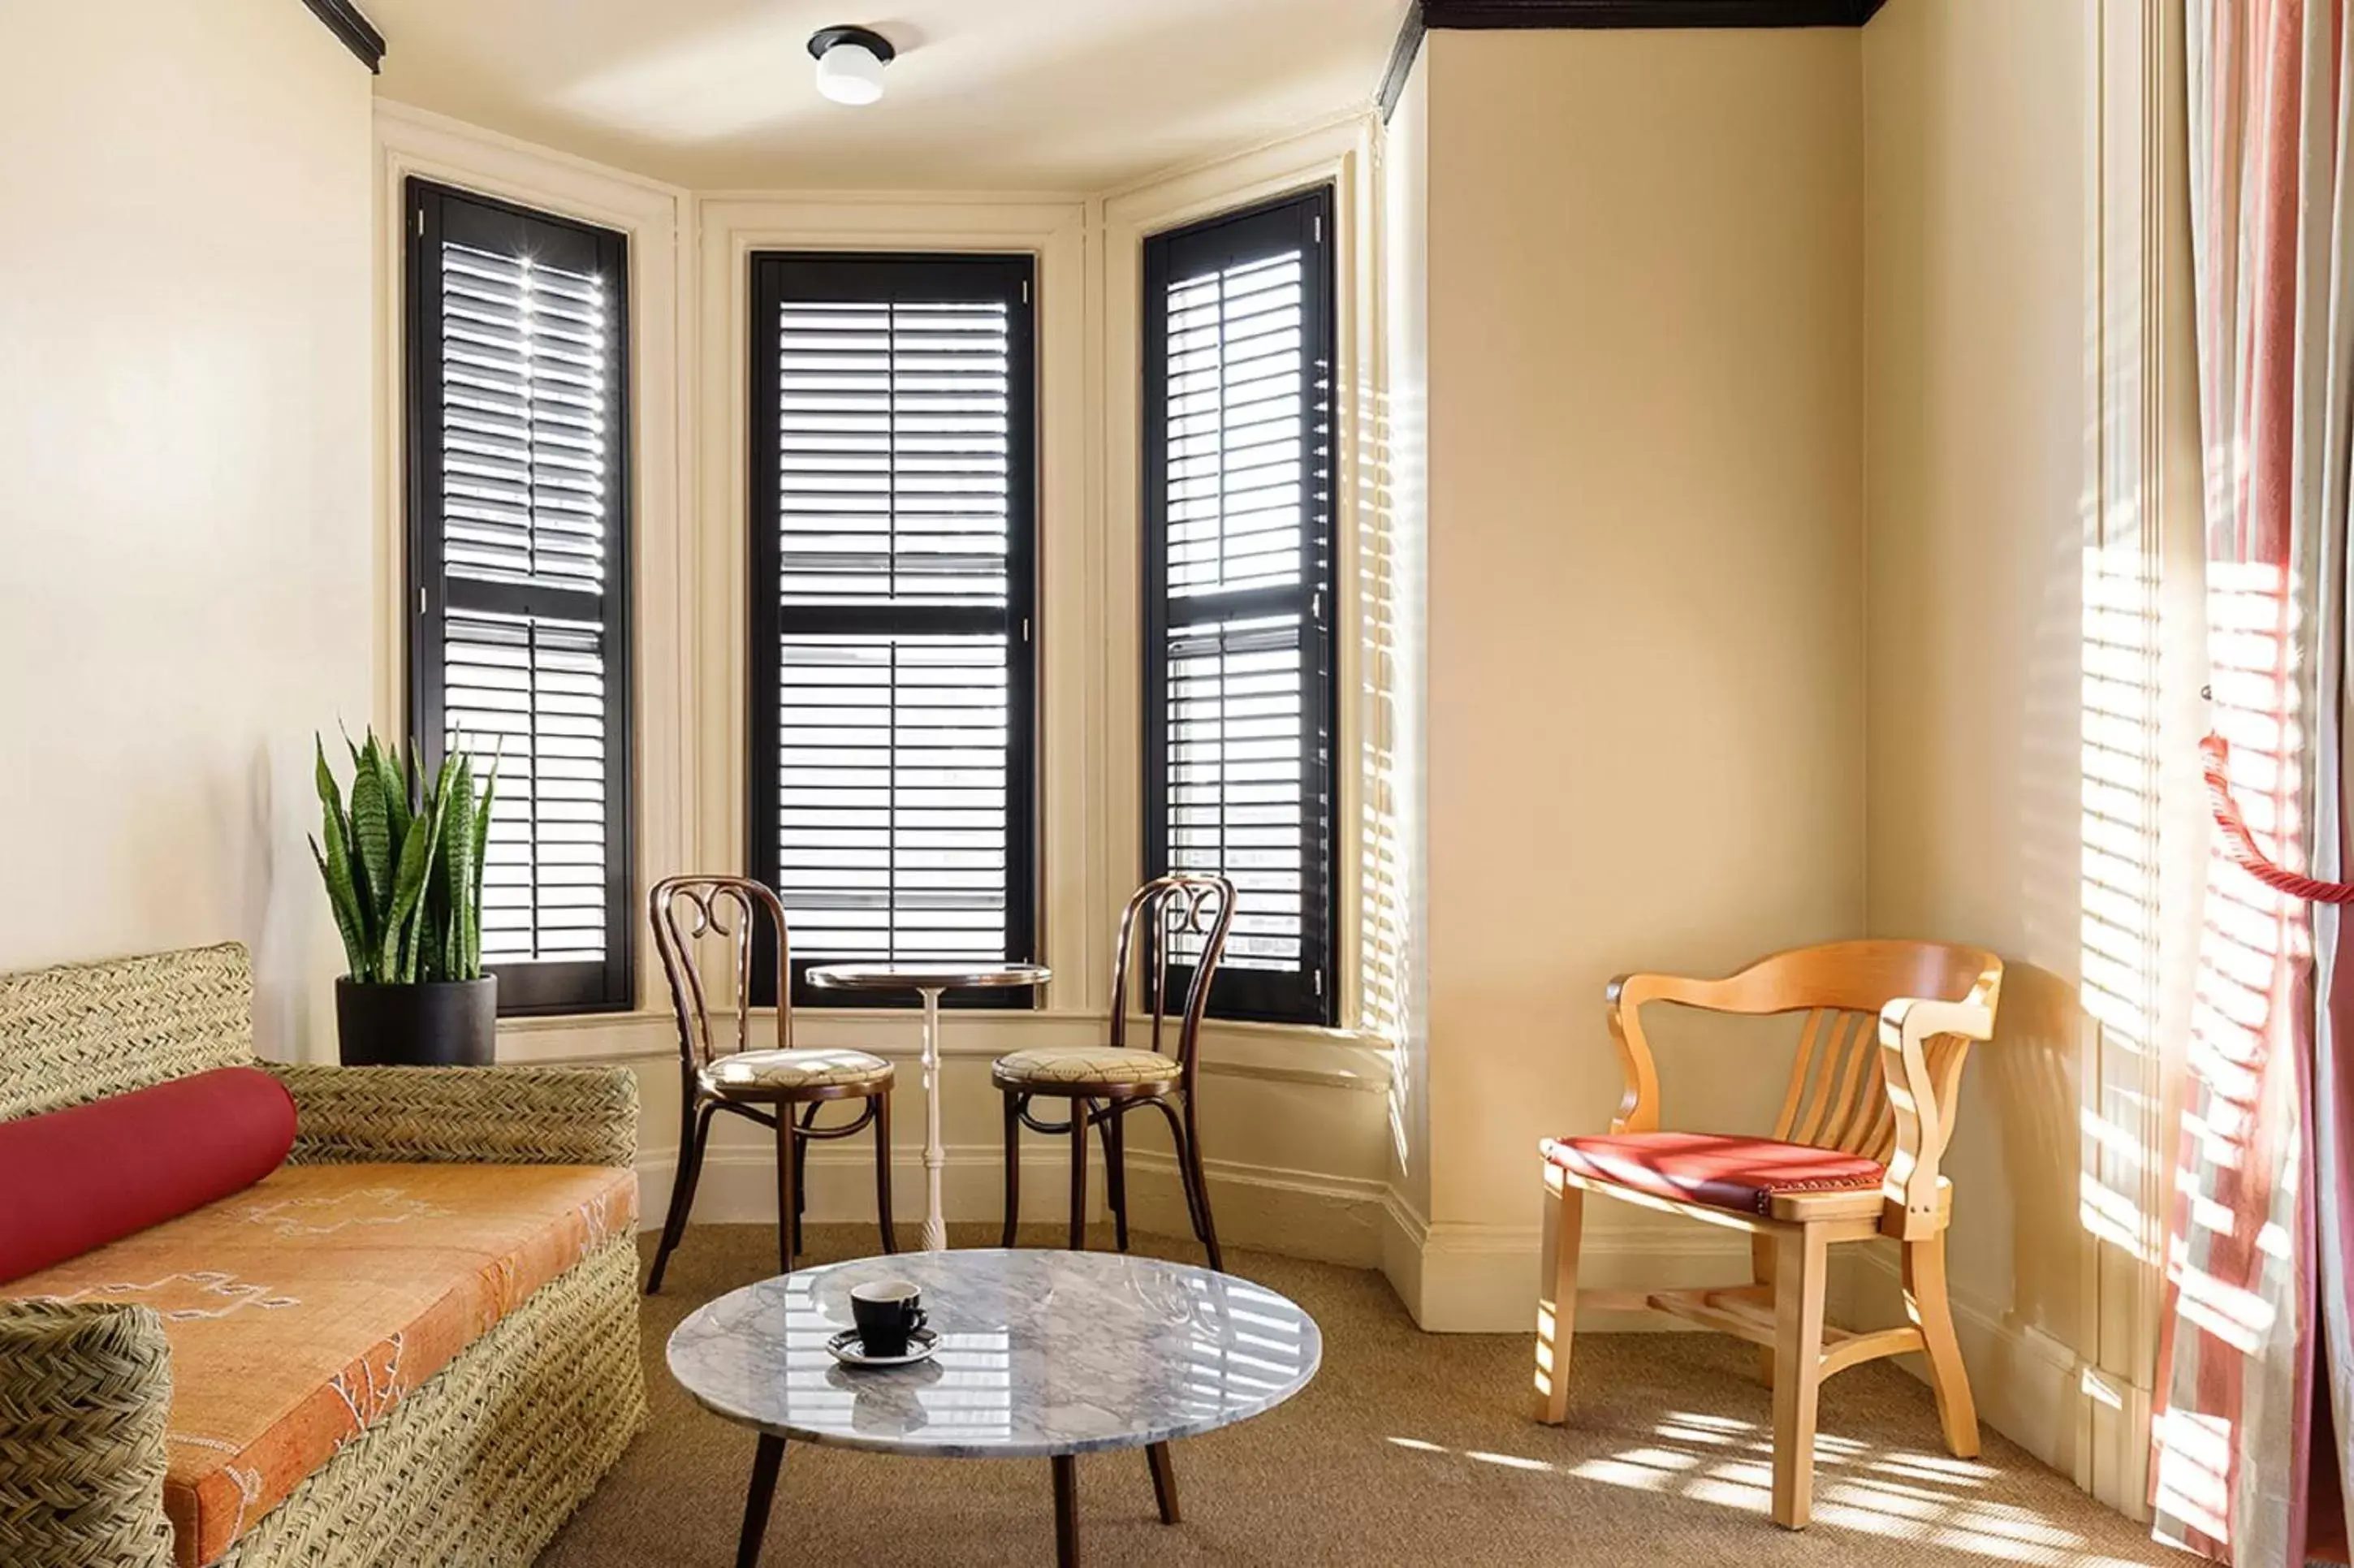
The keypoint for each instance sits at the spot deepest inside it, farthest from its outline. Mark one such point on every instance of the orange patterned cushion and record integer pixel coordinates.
(302, 1309)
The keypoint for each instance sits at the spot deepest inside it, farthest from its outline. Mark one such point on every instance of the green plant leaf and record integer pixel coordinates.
(457, 880)
(395, 791)
(336, 867)
(481, 858)
(433, 913)
(372, 844)
(338, 881)
(399, 947)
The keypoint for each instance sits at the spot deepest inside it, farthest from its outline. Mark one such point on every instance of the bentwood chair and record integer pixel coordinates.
(1867, 1115)
(719, 1070)
(1179, 919)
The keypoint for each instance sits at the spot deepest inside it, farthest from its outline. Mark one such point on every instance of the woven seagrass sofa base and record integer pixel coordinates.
(500, 1380)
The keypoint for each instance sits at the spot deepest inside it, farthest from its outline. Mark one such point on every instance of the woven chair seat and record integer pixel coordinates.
(1084, 1066)
(771, 1070)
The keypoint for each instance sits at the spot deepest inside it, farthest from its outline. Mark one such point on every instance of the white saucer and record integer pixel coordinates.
(844, 1348)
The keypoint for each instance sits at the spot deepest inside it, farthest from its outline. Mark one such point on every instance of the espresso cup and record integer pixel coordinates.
(886, 1311)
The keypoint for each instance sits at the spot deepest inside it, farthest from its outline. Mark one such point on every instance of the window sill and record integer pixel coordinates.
(1279, 1053)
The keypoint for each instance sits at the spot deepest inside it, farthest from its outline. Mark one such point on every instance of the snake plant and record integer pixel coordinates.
(403, 865)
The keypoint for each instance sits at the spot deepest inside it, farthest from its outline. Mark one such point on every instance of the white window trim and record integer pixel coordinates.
(1337, 153)
(414, 142)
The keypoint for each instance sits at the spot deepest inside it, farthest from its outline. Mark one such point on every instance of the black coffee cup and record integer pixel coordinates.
(886, 1311)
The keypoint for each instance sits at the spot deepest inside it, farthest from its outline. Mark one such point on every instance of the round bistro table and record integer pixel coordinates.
(930, 981)
(1041, 1355)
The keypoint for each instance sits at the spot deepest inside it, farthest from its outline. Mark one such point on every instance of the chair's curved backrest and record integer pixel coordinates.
(688, 911)
(1182, 918)
(1838, 1093)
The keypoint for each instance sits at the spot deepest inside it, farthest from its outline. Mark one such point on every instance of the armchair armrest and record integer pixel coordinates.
(84, 1392)
(1917, 1101)
(1639, 1111)
(479, 1116)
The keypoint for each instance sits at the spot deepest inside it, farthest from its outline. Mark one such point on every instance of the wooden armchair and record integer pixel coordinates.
(1867, 1116)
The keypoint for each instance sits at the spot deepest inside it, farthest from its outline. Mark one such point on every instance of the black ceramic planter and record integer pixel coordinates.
(449, 1023)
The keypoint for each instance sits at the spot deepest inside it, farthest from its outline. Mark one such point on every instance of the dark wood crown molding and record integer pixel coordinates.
(1421, 16)
(359, 35)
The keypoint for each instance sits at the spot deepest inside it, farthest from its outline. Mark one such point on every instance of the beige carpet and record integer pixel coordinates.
(1408, 1448)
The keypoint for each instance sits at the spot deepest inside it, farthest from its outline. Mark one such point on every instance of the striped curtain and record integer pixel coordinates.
(2258, 1241)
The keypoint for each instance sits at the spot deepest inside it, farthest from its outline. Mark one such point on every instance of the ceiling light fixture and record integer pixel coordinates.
(849, 62)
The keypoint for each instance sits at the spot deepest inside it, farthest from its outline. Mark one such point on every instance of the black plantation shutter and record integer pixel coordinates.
(518, 510)
(1238, 364)
(893, 523)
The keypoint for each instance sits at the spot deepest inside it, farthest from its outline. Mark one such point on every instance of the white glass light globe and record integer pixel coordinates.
(850, 73)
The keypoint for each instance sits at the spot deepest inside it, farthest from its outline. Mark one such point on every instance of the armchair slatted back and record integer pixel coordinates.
(1838, 1093)
(690, 911)
(1179, 919)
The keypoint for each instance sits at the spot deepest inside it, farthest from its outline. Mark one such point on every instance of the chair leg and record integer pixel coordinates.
(882, 1104)
(1189, 1157)
(787, 1191)
(1761, 1269)
(1078, 1175)
(1557, 1318)
(1013, 1102)
(800, 1171)
(1925, 1304)
(1115, 1172)
(1185, 1166)
(1799, 1286)
(693, 1130)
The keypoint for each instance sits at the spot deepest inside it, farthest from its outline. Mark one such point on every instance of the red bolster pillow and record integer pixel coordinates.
(75, 1180)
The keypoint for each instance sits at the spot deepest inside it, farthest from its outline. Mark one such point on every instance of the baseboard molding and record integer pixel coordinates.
(1299, 1214)
(1464, 1277)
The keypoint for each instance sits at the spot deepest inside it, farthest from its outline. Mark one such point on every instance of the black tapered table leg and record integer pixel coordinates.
(1164, 1480)
(766, 1460)
(1066, 1510)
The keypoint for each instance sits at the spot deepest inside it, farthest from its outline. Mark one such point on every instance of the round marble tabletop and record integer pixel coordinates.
(1040, 1353)
(926, 977)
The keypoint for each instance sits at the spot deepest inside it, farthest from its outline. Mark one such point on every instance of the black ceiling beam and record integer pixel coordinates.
(1421, 16)
(359, 35)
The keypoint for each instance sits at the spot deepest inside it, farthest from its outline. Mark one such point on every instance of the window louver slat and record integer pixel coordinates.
(892, 545)
(892, 795)
(518, 516)
(1237, 514)
(526, 696)
(892, 426)
(525, 372)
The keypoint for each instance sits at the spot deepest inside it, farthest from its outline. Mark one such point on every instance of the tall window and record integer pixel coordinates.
(518, 523)
(1238, 370)
(892, 523)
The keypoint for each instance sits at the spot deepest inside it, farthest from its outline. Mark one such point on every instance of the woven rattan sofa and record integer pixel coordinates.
(486, 1213)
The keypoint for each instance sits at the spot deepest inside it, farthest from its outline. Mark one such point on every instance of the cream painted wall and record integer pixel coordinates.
(1979, 275)
(184, 467)
(1646, 600)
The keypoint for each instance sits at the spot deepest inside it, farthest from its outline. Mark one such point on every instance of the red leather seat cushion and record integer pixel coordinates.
(1723, 1171)
(79, 1178)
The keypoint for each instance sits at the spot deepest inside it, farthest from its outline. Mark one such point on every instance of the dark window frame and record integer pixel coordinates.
(432, 212)
(861, 276)
(1302, 220)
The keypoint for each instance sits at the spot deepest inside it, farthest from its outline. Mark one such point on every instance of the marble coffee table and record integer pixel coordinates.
(1042, 1355)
